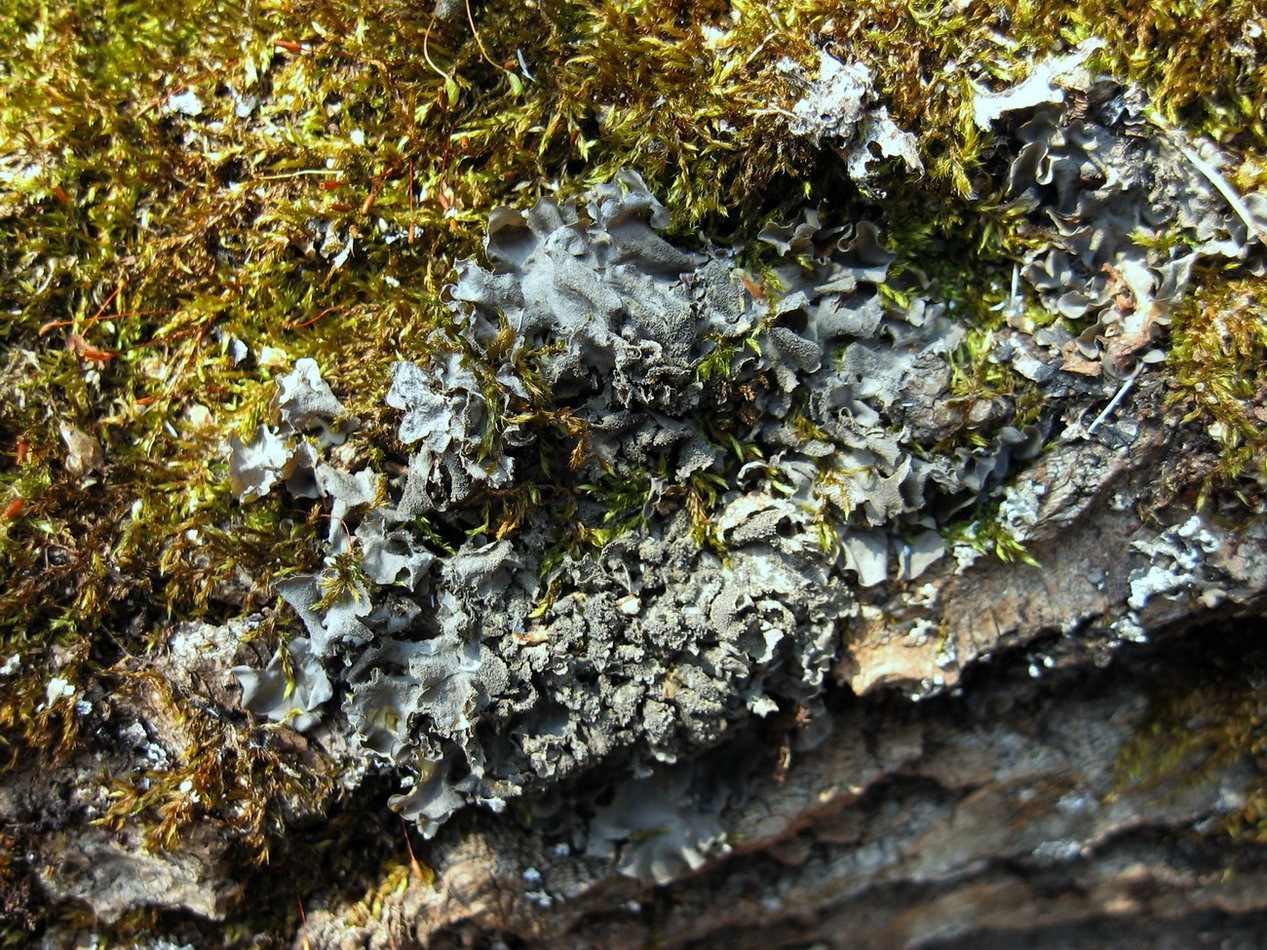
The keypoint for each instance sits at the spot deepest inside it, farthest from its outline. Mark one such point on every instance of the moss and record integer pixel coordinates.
(141, 247)
(19, 907)
(986, 534)
(241, 780)
(1203, 717)
(1218, 359)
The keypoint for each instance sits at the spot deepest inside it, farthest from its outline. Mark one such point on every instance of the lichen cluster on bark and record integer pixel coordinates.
(723, 475)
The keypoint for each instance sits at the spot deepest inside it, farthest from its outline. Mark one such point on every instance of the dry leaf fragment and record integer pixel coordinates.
(83, 452)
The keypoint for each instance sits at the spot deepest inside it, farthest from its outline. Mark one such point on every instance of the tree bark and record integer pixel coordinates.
(995, 811)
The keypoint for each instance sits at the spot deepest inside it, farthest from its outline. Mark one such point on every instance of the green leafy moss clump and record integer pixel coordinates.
(1201, 720)
(1219, 358)
(195, 194)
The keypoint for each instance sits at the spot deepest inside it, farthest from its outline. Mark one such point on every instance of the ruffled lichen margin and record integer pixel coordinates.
(192, 199)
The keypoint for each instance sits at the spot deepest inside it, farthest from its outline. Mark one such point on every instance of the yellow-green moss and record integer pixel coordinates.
(137, 242)
(1218, 360)
(1202, 719)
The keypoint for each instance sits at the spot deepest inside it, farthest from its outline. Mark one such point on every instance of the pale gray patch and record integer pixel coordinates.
(307, 406)
(446, 415)
(1114, 190)
(1026, 358)
(435, 694)
(301, 471)
(433, 799)
(919, 554)
(267, 693)
(1045, 84)
(867, 555)
(258, 465)
(392, 557)
(889, 141)
(668, 823)
(185, 103)
(839, 108)
(834, 103)
(660, 831)
(797, 236)
(481, 570)
(327, 626)
(346, 492)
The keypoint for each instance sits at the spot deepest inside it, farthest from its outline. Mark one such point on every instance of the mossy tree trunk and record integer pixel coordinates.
(1000, 387)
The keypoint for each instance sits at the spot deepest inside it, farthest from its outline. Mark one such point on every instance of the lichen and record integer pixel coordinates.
(608, 319)
(194, 196)
(498, 670)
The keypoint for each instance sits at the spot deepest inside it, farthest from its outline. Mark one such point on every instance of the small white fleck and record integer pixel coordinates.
(763, 705)
(238, 351)
(357, 137)
(58, 688)
(186, 103)
(342, 257)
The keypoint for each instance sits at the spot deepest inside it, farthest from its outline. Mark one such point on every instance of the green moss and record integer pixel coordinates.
(986, 534)
(242, 780)
(138, 243)
(1204, 717)
(1218, 357)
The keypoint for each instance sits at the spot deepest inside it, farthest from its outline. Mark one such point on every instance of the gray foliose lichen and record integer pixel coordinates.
(1128, 204)
(455, 665)
(746, 448)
